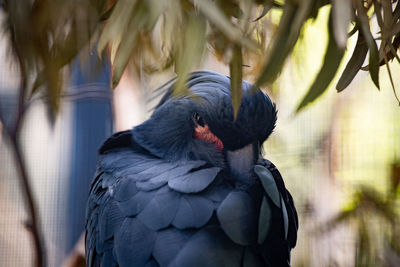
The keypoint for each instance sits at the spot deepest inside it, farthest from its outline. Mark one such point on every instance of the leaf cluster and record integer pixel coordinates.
(156, 35)
(376, 216)
(45, 36)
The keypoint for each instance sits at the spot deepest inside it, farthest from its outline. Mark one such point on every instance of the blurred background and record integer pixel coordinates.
(340, 156)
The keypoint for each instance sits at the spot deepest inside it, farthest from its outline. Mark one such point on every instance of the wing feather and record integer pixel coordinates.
(161, 210)
(137, 203)
(194, 182)
(134, 243)
(144, 211)
(194, 211)
(125, 190)
(168, 244)
(237, 217)
(216, 250)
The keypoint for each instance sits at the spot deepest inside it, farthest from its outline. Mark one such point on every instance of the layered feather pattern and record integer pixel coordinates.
(140, 215)
(149, 208)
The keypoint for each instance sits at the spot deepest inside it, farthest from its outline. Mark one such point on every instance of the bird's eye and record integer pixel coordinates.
(198, 119)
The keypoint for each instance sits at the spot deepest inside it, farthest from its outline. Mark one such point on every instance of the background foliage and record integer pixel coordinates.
(155, 35)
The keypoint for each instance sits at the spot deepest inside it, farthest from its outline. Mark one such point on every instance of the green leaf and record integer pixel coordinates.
(373, 49)
(288, 32)
(230, 8)
(117, 24)
(218, 18)
(378, 13)
(53, 87)
(212, 12)
(342, 217)
(235, 68)
(106, 15)
(395, 176)
(333, 57)
(396, 12)
(342, 15)
(387, 15)
(191, 52)
(354, 64)
(61, 55)
(395, 29)
(390, 52)
(278, 50)
(393, 48)
(136, 23)
(391, 79)
(303, 13)
(267, 7)
(353, 31)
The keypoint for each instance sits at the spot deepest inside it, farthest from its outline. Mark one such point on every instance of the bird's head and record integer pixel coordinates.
(202, 126)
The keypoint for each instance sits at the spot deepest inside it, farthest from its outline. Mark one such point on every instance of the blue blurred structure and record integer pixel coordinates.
(90, 92)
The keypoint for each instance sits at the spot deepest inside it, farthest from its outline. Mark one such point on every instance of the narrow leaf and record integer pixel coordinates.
(117, 24)
(378, 13)
(391, 79)
(277, 52)
(393, 49)
(395, 29)
(126, 46)
(373, 49)
(218, 18)
(342, 15)
(53, 87)
(396, 12)
(61, 55)
(333, 57)
(303, 13)
(354, 64)
(352, 31)
(387, 14)
(340, 218)
(267, 7)
(390, 53)
(395, 177)
(235, 68)
(288, 32)
(106, 15)
(191, 52)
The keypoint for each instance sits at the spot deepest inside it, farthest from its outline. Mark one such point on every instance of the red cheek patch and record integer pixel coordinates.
(205, 134)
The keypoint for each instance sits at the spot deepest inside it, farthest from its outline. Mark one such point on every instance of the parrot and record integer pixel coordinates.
(189, 187)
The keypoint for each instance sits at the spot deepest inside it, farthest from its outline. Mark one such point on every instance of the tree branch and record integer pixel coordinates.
(32, 223)
(13, 132)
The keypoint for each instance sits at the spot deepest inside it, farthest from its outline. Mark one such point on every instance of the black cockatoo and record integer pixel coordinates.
(189, 187)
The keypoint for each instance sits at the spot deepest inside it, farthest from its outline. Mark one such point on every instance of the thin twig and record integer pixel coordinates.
(391, 78)
(393, 50)
(13, 133)
(33, 222)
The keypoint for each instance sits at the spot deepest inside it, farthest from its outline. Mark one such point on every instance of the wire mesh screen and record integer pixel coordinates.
(324, 154)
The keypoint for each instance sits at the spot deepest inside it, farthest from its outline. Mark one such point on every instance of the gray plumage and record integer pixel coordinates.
(165, 195)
